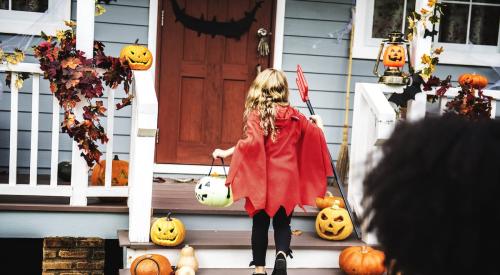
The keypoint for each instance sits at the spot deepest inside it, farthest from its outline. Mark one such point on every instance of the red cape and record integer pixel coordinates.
(291, 171)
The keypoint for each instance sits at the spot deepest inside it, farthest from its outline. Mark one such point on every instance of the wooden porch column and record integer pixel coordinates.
(420, 46)
(85, 10)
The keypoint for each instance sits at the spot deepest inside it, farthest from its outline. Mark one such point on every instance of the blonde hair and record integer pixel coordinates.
(269, 89)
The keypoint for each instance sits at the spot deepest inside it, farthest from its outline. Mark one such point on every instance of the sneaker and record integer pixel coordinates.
(280, 265)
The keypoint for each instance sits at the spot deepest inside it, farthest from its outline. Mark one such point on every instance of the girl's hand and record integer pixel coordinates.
(317, 120)
(219, 153)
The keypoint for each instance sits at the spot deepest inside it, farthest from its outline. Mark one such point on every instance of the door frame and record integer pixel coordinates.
(154, 36)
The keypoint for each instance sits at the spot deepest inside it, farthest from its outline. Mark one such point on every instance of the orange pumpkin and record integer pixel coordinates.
(473, 80)
(394, 56)
(151, 264)
(362, 260)
(119, 173)
(328, 200)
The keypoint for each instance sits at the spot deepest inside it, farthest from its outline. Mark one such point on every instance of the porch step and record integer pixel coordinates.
(248, 271)
(232, 249)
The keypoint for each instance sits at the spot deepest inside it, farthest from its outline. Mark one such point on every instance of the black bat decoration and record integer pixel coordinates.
(231, 29)
(409, 92)
(429, 33)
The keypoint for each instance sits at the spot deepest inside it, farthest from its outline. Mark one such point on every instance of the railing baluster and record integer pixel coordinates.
(54, 153)
(493, 108)
(35, 101)
(14, 100)
(109, 146)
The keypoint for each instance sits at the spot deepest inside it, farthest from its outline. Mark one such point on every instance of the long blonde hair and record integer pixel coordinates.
(269, 89)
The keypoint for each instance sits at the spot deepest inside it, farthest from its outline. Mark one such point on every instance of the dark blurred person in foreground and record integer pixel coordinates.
(434, 198)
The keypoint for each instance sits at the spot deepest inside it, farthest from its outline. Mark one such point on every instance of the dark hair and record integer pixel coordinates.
(434, 197)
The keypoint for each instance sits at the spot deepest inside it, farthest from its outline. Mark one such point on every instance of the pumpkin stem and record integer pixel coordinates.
(336, 204)
(116, 157)
(364, 249)
(168, 216)
(136, 41)
(329, 194)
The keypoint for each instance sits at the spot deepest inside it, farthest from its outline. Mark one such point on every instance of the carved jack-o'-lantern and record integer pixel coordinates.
(137, 56)
(168, 231)
(394, 56)
(333, 223)
(212, 191)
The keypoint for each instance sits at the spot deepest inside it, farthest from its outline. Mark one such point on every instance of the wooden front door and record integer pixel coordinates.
(203, 79)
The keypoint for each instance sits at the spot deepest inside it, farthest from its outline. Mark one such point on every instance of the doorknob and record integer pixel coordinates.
(263, 46)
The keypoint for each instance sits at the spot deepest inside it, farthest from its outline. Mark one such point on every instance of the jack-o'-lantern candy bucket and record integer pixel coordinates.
(211, 190)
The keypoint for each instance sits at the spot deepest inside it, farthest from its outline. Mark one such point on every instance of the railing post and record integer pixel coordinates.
(85, 10)
(419, 46)
(142, 149)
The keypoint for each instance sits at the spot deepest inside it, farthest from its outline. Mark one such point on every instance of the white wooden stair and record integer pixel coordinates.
(232, 250)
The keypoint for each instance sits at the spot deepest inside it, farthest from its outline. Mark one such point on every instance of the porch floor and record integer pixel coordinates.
(169, 196)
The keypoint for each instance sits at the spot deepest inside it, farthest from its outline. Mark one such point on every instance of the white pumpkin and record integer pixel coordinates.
(185, 270)
(212, 191)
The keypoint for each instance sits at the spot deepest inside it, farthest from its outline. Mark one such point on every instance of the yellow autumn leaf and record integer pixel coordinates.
(11, 59)
(426, 59)
(1, 55)
(70, 23)
(424, 11)
(19, 55)
(410, 36)
(431, 3)
(60, 35)
(19, 83)
(99, 10)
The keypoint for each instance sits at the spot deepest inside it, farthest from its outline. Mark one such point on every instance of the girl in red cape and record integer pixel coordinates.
(282, 162)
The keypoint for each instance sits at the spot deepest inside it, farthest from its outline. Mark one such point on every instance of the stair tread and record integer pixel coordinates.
(179, 198)
(248, 271)
(240, 240)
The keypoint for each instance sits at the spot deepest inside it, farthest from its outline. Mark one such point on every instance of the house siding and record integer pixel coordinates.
(123, 23)
(310, 40)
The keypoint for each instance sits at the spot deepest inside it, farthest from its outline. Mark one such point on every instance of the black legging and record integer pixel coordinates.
(260, 228)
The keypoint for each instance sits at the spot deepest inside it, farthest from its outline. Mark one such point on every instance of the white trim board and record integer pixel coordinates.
(279, 33)
(187, 169)
(27, 224)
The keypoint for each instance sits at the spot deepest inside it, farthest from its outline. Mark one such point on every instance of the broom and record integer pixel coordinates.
(343, 156)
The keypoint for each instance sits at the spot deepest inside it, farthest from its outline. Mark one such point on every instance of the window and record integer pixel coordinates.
(32, 16)
(468, 30)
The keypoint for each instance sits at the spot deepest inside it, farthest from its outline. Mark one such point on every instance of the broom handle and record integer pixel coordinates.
(348, 91)
(339, 183)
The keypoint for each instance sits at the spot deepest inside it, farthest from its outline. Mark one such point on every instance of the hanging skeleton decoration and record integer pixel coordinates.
(263, 46)
(230, 29)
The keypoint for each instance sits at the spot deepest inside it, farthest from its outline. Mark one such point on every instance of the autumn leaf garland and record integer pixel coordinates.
(74, 78)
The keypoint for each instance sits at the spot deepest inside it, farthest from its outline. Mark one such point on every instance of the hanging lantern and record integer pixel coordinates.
(395, 56)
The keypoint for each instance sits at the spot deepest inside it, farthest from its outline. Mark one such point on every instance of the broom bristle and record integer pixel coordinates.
(343, 162)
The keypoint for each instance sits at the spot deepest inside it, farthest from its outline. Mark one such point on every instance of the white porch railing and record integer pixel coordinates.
(143, 131)
(374, 120)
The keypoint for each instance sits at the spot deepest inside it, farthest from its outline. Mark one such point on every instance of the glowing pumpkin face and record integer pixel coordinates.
(167, 231)
(394, 56)
(334, 223)
(138, 57)
(212, 191)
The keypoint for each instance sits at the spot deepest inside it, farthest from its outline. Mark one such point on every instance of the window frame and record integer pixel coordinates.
(32, 23)
(366, 47)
